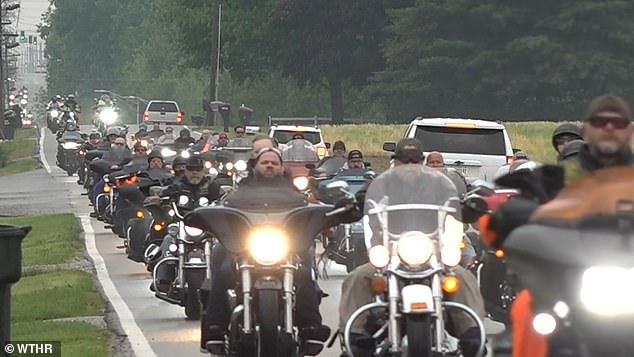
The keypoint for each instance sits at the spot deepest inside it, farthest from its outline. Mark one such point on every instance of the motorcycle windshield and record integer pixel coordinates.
(72, 136)
(406, 184)
(233, 227)
(299, 150)
(331, 165)
(239, 143)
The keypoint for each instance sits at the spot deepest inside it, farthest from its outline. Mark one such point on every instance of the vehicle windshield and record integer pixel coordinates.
(332, 164)
(299, 150)
(228, 154)
(162, 107)
(461, 140)
(72, 136)
(284, 136)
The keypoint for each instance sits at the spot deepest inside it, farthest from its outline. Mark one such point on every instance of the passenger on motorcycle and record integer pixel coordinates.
(223, 140)
(239, 140)
(607, 131)
(268, 182)
(356, 290)
(205, 142)
(111, 135)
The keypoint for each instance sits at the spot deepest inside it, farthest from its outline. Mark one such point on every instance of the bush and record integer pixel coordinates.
(4, 156)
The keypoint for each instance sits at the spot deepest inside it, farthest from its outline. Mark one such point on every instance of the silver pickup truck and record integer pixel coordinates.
(163, 111)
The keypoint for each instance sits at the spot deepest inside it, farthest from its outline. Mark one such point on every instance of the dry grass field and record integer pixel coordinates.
(534, 138)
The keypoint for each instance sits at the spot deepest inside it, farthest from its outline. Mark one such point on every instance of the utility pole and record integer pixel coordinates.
(215, 60)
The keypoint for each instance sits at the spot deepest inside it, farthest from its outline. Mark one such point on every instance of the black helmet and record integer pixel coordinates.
(184, 133)
(195, 161)
(179, 160)
(154, 154)
(566, 129)
(571, 149)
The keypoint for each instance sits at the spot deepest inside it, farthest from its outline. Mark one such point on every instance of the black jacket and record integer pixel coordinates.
(206, 188)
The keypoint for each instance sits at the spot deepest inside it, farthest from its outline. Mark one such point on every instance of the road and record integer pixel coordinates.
(154, 327)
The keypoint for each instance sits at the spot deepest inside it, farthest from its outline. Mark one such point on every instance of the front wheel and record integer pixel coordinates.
(268, 314)
(192, 304)
(419, 337)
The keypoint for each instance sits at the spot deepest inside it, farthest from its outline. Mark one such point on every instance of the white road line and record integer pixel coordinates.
(42, 156)
(138, 341)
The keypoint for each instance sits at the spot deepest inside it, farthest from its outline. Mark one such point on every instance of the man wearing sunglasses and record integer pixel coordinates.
(195, 182)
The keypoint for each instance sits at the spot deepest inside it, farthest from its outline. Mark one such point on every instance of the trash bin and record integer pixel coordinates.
(10, 272)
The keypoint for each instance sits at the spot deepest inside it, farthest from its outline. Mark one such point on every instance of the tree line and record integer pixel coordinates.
(383, 60)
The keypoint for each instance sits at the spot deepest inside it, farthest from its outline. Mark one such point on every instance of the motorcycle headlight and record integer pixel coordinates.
(203, 201)
(193, 231)
(450, 255)
(300, 182)
(71, 146)
(268, 246)
(598, 290)
(72, 114)
(379, 256)
(166, 152)
(241, 165)
(11, 97)
(23, 102)
(415, 248)
(229, 166)
(453, 232)
(213, 172)
(208, 165)
(108, 116)
(183, 200)
(185, 154)
(54, 113)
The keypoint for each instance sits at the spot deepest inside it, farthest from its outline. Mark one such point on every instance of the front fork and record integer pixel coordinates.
(287, 286)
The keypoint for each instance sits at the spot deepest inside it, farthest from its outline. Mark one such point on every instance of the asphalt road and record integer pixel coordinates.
(154, 327)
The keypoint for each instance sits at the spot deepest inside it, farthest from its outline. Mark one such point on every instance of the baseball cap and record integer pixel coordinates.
(608, 103)
(408, 151)
(355, 154)
(195, 162)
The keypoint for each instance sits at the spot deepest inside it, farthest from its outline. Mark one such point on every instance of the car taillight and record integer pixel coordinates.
(179, 117)
(509, 160)
(146, 116)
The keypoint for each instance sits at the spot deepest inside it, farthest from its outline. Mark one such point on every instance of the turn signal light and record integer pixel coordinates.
(179, 117)
(106, 189)
(450, 284)
(499, 253)
(146, 116)
(158, 227)
(140, 214)
(378, 285)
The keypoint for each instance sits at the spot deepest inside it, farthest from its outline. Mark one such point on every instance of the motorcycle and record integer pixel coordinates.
(421, 243)
(186, 261)
(67, 149)
(228, 165)
(106, 117)
(350, 237)
(574, 259)
(266, 246)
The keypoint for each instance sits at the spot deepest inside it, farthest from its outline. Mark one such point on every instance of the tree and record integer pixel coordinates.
(330, 40)
(501, 59)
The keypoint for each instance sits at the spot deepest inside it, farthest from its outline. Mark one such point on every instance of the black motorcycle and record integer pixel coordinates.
(267, 255)
(68, 146)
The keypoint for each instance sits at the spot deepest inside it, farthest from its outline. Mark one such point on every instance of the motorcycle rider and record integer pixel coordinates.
(223, 140)
(268, 181)
(205, 142)
(139, 157)
(184, 139)
(168, 137)
(239, 140)
(195, 182)
(355, 160)
(111, 135)
(91, 144)
(356, 287)
(563, 134)
(436, 161)
(178, 165)
(156, 131)
(607, 131)
(71, 133)
(155, 160)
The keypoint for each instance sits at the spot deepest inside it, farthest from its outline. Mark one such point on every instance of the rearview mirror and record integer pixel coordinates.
(367, 164)
(327, 145)
(389, 146)
(473, 208)
(482, 188)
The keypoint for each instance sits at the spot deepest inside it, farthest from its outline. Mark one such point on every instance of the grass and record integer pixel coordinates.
(52, 295)
(17, 155)
(57, 295)
(534, 138)
(53, 239)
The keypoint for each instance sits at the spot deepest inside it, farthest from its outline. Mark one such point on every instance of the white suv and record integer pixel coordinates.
(476, 148)
(284, 133)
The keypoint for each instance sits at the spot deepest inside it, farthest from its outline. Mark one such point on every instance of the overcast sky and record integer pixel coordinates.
(30, 14)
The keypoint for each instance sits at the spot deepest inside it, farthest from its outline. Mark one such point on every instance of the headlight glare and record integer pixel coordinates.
(379, 256)
(300, 182)
(268, 245)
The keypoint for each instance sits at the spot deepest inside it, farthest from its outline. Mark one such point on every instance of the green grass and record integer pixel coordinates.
(57, 295)
(22, 165)
(53, 239)
(17, 155)
(78, 339)
(52, 295)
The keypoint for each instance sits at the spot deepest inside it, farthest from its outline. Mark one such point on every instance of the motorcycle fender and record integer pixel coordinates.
(268, 283)
(417, 298)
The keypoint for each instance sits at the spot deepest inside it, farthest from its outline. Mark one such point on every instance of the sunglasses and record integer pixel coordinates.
(194, 168)
(563, 139)
(140, 150)
(602, 122)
